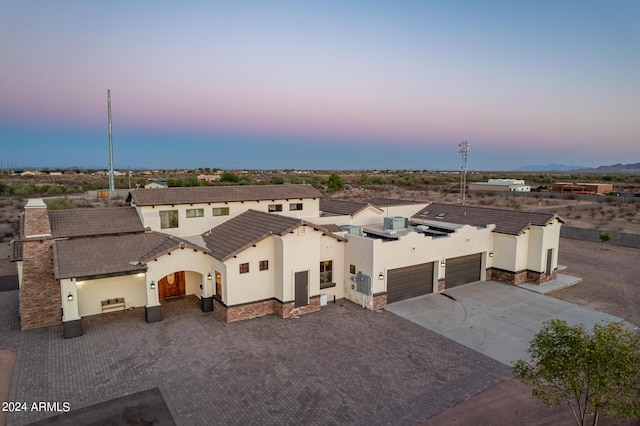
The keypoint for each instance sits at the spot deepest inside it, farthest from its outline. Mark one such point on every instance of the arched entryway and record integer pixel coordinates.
(172, 285)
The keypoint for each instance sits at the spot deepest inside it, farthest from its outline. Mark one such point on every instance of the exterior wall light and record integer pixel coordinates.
(70, 297)
(152, 285)
(490, 254)
(442, 263)
(381, 276)
(209, 277)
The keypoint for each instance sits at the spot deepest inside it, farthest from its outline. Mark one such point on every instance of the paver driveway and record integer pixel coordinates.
(495, 319)
(343, 365)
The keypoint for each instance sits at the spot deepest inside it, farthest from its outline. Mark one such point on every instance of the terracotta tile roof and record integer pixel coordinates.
(332, 227)
(342, 207)
(385, 202)
(86, 222)
(506, 221)
(244, 230)
(111, 254)
(219, 194)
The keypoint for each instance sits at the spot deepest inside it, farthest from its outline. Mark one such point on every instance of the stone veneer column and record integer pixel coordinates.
(40, 300)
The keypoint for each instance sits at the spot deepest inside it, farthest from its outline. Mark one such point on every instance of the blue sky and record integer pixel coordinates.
(320, 85)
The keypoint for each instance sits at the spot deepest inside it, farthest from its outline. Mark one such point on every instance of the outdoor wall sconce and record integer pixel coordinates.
(152, 285)
(70, 297)
(442, 263)
(381, 276)
(209, 277)
(490, 254)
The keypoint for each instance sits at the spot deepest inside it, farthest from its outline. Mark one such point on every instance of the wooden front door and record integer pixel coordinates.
(172, 285)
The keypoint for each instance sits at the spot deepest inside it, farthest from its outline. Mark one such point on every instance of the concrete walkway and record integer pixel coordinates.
(495, 319)
(561, 281)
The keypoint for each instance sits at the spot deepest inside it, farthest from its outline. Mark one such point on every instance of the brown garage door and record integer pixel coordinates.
(463, 270)
(408, 282)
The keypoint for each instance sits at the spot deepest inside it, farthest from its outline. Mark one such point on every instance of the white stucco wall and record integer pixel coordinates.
(255, 284)
(375, 256)
(505, 250)
(92, 292)
(150, 216)
(332, 249)
(301, 252)
(541, 239)
(179, 260)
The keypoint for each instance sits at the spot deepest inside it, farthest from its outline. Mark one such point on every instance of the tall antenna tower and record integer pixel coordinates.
(111, 184)
(463, 148)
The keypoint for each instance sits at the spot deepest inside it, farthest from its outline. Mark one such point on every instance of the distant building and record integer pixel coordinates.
(209, 178)
(582, 188)
(498, 185)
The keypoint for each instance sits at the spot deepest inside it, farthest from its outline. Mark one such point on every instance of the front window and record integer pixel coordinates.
(264, 265)
(169, 219)
(244, 268)
(295, 206)
(195, 213)
(326, 272)
(275, 208)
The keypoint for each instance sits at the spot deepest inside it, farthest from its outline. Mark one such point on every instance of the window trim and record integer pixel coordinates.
(169, 219)
(327, 273)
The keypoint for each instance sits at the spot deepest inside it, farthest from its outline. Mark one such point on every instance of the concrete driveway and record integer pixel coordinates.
(495, 319)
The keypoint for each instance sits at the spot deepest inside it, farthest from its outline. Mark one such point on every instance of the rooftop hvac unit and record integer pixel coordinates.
(395, 222)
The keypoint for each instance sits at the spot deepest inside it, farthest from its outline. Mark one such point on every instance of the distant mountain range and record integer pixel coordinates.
(615, 168)
(548, 168)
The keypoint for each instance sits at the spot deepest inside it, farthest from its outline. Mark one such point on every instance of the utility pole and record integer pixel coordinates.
(111, 184)
(464, 149)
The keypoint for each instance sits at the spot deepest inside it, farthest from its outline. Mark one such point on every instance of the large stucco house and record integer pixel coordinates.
(249, 251)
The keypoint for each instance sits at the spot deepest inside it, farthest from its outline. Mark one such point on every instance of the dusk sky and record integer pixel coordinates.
(320, 84)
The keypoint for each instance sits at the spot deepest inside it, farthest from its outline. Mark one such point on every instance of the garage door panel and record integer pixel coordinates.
(463, 270)
(408, 282)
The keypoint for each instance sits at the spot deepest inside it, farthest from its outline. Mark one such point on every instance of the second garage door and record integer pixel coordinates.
(411, 281)
(463, 270)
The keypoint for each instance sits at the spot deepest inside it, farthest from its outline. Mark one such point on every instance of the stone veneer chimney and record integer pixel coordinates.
(40, 300)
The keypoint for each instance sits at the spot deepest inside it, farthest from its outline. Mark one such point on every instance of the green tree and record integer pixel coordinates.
(229, 177)
(335, 182)
(365, 179)
(192, 180)
(595, 372)
(277, 180)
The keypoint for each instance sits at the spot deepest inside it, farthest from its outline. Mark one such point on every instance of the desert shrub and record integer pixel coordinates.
(295, 180)
(229, 177)
(54, 190)
(59, 204)
(605, 237)
(276, 180)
